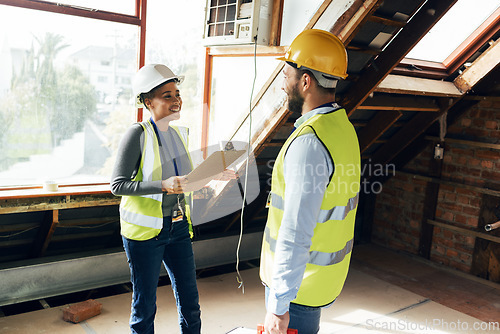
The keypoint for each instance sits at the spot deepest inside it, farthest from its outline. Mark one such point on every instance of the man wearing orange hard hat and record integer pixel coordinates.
(314, 195)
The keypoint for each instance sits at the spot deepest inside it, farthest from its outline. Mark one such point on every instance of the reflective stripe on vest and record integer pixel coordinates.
(316, 257)
(336, 213)
(142, 220)
(145, 210)
(141, 216)
(150, 172)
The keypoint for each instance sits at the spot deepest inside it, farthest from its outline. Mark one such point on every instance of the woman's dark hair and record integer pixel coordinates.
(151, 93)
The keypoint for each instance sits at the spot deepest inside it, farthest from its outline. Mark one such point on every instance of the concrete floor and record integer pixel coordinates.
(385, 292)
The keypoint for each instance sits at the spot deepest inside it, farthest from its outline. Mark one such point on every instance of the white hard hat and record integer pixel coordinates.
(149, 77)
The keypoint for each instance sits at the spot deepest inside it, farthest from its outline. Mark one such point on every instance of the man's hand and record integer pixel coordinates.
(276, 324)
(174, 184)
(226, 175)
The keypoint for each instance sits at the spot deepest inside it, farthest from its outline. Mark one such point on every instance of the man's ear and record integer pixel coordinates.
(306, 81)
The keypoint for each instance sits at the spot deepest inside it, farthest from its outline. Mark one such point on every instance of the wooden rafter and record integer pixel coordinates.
(407, 134)
(45, 233)
(485, 87)
(417, 86)
(416, 28)
(352, 20)
(376, 127)
(386, 21)
(483, 65)
(363, 49)
(399, 102)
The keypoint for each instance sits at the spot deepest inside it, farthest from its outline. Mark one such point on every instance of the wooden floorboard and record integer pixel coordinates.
(462, 292)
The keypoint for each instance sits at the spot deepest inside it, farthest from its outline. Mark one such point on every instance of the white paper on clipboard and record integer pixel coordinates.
(215, 164)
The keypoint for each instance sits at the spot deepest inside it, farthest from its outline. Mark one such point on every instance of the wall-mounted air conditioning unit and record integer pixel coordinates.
(237, 22)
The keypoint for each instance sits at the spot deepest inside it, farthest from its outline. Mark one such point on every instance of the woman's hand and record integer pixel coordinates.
(174, 184)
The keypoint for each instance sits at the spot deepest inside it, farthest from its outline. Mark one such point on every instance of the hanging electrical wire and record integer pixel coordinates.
(239, 279)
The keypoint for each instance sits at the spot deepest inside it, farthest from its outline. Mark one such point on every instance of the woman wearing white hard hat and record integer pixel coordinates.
(149, 174)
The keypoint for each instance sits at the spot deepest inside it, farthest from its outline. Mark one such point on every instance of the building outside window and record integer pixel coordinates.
(66, 95)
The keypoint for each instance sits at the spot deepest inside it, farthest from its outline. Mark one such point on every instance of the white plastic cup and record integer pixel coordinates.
(50, 186)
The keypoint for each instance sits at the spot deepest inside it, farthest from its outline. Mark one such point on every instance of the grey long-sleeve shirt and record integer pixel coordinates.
(128, 159)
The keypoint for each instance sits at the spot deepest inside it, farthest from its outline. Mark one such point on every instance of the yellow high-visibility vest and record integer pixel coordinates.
(333, 237)
(141, 217)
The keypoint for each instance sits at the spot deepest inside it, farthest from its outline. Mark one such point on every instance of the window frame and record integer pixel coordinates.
(139, 20)
(437, 70)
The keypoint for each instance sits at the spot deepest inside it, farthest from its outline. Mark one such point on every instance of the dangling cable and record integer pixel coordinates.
(239, 279)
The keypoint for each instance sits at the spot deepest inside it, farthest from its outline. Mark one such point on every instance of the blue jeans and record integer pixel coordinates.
(304, 319)
(172, 247)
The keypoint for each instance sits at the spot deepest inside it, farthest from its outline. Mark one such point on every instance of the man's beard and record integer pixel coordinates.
(295, 100)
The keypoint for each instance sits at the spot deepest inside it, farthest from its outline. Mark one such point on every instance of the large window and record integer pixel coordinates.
(62, 79)
(65, 93)
(175, 38)
(453, 29)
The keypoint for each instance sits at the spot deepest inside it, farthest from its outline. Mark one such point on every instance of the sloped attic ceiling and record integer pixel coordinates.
(389, 109)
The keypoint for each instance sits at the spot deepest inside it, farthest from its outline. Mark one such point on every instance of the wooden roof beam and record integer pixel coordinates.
(363, 49)
(376, 127)
(414, 30)
(400, 102)
(386, 21)
(479, 68)
(353, 19)
(45, 233)
(408, 133)
(400, 84)
(485, 87)
(399, 150)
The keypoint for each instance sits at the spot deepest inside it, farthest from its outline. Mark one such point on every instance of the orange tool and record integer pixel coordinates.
(260, 330)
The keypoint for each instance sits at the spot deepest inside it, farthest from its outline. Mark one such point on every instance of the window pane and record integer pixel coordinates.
(173, 42)
(231, 13)
(219, 29)
(450, 31)
(229, 29)
(213, 13)
(231, 88)
(116, 6)
(61, 91)
(221, 14)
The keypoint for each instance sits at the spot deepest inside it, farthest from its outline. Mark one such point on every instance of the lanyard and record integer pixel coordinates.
(176, 152)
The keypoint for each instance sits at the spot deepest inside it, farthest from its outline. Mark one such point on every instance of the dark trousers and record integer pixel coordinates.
(172, 247)
(304, 319)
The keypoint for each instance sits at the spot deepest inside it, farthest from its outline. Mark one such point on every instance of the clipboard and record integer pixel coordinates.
(216, 163)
